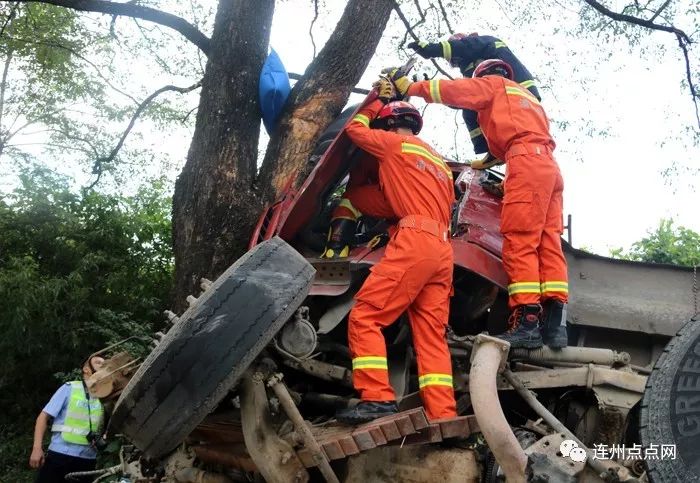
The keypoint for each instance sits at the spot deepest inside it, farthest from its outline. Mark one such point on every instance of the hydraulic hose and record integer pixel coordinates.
(489, 414)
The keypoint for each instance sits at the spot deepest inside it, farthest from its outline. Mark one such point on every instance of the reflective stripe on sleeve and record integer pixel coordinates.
(499, 44)
(475, 133)
(527, 83)
(435, 91)
(446, 50)
(362, 119)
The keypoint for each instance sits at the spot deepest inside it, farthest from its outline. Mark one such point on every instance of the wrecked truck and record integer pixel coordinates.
(244, 385)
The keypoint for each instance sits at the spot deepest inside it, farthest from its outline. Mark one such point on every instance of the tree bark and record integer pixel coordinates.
(214, 204)
(322, 92)
(218, 196)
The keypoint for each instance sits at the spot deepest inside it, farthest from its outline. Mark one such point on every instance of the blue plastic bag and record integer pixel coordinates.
(274, 89)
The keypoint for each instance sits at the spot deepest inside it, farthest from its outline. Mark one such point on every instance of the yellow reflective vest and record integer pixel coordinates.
(83, 415)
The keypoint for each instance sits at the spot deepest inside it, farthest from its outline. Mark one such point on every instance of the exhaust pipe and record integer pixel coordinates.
(488, 357)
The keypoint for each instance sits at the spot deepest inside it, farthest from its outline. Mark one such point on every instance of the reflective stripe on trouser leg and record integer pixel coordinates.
(523, 287)
(521, 264)
(372, 371)
(528, 188)
(375, 308)
(428, 316)
(427, 380)
(555, 289)
(553, 267)
(437, 392)
(369, 362)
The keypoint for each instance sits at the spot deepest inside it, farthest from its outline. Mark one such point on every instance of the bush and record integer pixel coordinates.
(77, 272)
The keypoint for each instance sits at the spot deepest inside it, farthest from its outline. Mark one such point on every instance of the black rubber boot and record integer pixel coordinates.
(524, 331)
(554, 326)
(340, 234)
(366, 411)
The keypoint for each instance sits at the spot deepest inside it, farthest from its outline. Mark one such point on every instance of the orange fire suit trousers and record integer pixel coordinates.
(363, 200)
(532, 224)
(415, 274)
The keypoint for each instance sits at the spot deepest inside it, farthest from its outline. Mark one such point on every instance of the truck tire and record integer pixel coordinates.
(670, 411)
(203, 356)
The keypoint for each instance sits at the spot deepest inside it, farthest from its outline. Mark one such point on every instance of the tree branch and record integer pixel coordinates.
(444, 16)
(421, 21)
(77, 138)
(3, 86)
(84, 59)
(683, 40)
(53, 145)
(9, 18)
(637, 21)
(661, 9)
(409, 29)
(311, 27)
(189, 113)
(689, 76)
(97, 168)
(189, 31)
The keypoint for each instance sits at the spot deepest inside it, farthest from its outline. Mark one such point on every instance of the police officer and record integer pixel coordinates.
(77, 423)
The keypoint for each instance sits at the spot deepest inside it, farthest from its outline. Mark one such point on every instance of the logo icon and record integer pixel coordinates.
(570, 449)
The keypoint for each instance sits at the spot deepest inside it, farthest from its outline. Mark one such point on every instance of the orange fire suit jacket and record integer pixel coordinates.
(508, 112)
(428, 191)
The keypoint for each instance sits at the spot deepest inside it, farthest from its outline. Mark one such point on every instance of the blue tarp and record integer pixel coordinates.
(273, 90)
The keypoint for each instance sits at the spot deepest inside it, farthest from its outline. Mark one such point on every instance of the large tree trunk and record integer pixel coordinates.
(322, 92)
(217, 196)
(214, 205)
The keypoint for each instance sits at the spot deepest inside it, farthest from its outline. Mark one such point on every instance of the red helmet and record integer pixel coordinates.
(460, 36)
(494, 67)
(399, 114)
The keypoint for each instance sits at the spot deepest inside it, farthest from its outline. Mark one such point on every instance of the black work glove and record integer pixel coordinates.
(426, 50)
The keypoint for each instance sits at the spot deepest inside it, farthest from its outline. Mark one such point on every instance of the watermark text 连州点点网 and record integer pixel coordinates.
(570, 449)
(634, 452)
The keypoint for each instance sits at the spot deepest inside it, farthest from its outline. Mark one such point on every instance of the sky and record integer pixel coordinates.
(614, 188)
(624, 109)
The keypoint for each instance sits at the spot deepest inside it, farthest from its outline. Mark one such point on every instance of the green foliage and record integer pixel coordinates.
(15, 447)
(40, 48)
(77, 273)
(668, 244)
(67, 92)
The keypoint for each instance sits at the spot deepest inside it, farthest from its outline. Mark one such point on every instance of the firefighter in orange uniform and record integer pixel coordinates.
(415, 273)
(362, 196)
(517, 130)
